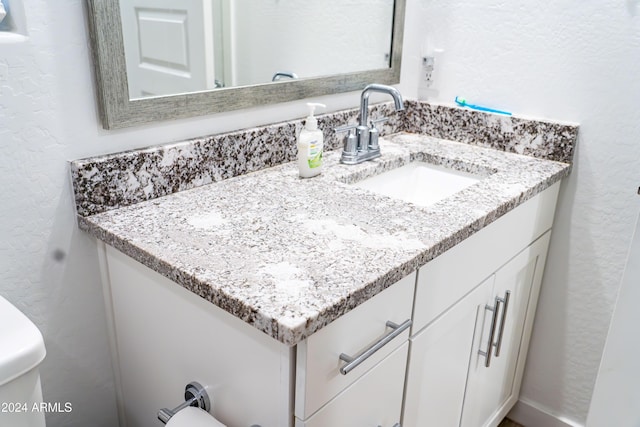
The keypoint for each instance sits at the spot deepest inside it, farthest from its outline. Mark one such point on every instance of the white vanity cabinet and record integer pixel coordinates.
(462, 311)
(419, 342)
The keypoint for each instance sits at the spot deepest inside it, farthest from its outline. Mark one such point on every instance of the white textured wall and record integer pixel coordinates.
(571, 60)
(568, 60)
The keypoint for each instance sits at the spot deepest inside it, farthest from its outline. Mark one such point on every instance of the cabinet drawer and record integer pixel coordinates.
(455, 273)
(373, 400)
(318, 377)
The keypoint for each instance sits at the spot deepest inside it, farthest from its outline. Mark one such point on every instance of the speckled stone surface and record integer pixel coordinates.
(542, 139)
(288, 256)
(121, 179)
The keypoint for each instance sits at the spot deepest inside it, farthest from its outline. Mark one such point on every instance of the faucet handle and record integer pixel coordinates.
(350, 150)
(345, 128)
(374, 134)
(376, 121)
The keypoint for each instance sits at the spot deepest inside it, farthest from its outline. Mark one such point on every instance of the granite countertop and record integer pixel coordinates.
(290, 255)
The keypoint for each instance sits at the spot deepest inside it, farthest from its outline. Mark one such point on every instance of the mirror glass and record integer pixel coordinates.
(166, 59)
(194, 45)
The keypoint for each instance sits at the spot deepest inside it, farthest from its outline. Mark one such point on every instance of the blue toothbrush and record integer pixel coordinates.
(463, 103)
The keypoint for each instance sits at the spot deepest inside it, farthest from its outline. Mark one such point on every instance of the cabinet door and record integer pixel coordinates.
(493, 390)
(440, 353)
(373, 400)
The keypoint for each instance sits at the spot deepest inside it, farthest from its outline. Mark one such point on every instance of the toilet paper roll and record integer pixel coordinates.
(193, 417)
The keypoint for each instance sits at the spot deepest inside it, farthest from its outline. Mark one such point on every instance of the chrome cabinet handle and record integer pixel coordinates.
(353, 362)
(492, 333)
(505, 301)
(395, 425)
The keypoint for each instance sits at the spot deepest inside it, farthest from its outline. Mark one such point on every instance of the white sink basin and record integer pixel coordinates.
(419, 183)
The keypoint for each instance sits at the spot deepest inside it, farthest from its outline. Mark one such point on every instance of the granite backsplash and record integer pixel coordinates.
(111, 181)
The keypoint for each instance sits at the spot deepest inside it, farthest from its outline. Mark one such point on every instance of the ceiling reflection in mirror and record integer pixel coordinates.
(174, 47)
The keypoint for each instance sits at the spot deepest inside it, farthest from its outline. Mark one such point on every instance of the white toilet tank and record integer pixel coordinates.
(21, 352)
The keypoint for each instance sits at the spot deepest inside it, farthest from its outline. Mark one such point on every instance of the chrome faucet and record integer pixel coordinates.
(363, 144)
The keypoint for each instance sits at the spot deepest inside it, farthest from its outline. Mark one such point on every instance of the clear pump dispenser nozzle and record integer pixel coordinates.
(312, 122)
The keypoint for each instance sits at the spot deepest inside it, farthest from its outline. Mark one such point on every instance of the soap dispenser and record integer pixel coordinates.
(310, 145)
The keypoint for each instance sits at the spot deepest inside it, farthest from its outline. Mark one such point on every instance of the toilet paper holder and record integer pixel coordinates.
(194, 395)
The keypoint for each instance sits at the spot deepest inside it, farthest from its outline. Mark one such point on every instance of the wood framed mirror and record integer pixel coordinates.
(113, 23)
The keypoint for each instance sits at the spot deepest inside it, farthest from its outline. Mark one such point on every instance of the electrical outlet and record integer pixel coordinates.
(426, 71)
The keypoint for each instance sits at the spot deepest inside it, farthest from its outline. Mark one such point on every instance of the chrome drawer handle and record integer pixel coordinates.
(353, 362)
(505, 301)
(395, 425)
(492, 333)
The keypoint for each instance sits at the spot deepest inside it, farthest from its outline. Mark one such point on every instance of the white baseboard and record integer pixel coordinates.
(530, 415)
